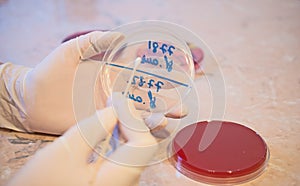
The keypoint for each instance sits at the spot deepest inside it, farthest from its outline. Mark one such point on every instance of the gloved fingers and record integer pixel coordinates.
(166, 99)
(97, 42)
(82, 138)
(157, 121)
(126, 164)
(131, 124)
(161, 125)
(137, 151)
(178, 111)
(127, 114)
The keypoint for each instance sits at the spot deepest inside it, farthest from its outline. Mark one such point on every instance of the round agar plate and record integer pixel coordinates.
(231, 153)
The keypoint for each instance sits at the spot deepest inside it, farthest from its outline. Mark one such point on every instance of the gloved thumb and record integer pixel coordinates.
(83, 137)
(97, 42)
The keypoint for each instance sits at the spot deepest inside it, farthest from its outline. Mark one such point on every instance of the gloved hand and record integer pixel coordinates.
(40, 99)
(66, 160)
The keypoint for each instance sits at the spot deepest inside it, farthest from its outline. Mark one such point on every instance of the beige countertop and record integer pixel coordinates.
(256, 42)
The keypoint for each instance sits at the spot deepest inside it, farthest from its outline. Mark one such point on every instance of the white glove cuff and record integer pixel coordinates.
(12, 112)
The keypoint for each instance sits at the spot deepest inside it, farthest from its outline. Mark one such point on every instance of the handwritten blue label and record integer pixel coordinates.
(152, 100)
(154, 46)
(167, 51)
(140, 81)
(169, 64)
(138, 99)
(149, 60)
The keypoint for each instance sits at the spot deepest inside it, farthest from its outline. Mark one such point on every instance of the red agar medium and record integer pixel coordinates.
(236, 154)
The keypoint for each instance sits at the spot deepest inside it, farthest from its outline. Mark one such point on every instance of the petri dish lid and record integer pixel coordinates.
(219, 152)
(164, 74)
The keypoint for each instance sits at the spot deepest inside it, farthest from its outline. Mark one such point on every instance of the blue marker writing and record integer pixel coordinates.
(149, 60)
(152, 100)
(142, 81)
(150, 83)
(137, 99)
(163, 48)
(170, 50)
(154, 46)
(169, 64)
(134, 80)
(158, 85)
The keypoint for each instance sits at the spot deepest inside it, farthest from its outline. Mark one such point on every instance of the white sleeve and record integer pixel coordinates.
(12, 113)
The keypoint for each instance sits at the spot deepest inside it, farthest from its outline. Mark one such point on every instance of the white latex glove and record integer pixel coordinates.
(40, 99)
(66, 161)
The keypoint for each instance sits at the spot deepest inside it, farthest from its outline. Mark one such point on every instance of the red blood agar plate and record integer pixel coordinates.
(231, 153)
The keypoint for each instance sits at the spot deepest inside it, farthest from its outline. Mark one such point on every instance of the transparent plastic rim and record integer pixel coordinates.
(216, 180)
(133, 31)
(219, 181)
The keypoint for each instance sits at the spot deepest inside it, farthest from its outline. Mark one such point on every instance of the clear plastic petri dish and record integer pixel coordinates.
(153, 66)
(219, 153)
